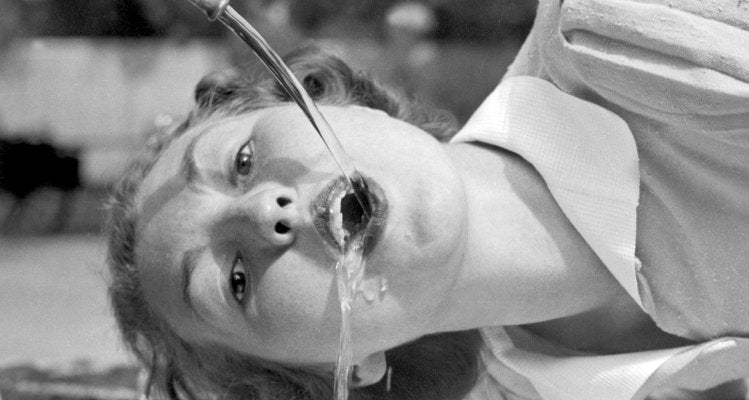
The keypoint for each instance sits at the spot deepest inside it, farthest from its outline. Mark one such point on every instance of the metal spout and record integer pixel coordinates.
(212, 8)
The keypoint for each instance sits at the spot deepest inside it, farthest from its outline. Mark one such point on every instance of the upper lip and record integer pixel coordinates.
(377, 210)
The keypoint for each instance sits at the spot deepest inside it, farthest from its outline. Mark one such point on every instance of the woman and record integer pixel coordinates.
(223, 239)
(203, 368)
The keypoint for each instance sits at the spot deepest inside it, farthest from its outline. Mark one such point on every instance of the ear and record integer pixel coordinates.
(369, 371)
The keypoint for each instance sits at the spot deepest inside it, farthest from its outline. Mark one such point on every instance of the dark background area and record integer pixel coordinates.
(474, 20)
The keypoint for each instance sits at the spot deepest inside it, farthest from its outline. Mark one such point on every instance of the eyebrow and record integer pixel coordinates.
(187, 267)
(189, 168)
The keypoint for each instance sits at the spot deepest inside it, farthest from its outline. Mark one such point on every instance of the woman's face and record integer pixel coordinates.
(235, 246)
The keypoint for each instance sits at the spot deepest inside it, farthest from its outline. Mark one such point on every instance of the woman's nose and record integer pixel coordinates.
(275, 214)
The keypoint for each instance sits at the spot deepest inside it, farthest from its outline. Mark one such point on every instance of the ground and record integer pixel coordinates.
(57, 337)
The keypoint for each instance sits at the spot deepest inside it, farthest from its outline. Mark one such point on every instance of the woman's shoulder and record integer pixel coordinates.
(678, 74)
(681, 62)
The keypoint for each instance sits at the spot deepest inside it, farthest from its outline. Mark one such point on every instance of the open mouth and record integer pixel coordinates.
(344, 220)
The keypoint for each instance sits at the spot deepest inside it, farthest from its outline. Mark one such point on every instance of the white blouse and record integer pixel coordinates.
(588, 159)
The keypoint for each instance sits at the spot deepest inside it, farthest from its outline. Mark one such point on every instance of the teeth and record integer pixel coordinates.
(336, 219)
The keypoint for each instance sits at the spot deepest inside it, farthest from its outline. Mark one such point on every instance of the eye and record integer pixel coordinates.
(238, 279)
(243, 160)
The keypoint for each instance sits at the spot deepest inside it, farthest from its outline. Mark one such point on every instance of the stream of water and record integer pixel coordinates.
(349, 273)
(350, 266)
(296, 91)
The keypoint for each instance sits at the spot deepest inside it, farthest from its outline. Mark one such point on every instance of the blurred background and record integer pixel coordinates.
(83, 83)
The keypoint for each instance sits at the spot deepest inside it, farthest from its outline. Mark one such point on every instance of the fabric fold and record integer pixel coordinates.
(585, 154)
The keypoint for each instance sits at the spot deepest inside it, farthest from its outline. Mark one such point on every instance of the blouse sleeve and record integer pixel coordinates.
(678, 73)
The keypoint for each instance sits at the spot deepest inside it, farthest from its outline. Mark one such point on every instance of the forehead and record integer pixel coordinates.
(166, 175)
(280, 118)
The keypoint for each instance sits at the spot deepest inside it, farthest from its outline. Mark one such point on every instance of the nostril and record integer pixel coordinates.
(281, 228)
(282, 201)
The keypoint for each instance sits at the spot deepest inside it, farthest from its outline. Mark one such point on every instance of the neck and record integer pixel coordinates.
(524, 262)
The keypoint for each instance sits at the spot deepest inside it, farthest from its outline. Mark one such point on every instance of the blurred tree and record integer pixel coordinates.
(92, 18)
(474, 20)
(340, 17)
(484, 20)
(124, 18)
(179, 18)
(466, 19)
(14, 19)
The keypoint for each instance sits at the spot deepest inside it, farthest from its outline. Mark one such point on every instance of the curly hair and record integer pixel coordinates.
(440, 366)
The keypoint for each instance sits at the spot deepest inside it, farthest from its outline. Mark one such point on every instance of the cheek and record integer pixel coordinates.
(297, 301)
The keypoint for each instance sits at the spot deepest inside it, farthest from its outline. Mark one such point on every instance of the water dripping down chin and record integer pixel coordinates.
(373, 289)
(360, 223)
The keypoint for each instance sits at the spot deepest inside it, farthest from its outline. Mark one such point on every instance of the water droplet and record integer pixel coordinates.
(369, 290)
(369, 295)
(383, 285)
